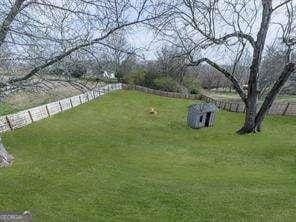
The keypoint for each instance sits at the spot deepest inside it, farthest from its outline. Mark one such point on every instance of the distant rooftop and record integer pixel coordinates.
(203, 107)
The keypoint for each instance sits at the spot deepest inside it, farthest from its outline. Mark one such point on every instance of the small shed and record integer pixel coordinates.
(201, 115)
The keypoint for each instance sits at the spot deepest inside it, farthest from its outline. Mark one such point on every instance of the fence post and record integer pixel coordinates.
(80, 100)
(9, 123)
(47, 110)
(229, 106)
(286, 109)
(71, 102)
(30, 115)
(60, 105)
(237, 106)
(225, 104)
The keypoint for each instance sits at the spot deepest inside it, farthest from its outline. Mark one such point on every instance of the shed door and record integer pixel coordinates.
(208, 117)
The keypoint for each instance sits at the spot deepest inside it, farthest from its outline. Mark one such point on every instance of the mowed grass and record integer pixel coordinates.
(110, 160)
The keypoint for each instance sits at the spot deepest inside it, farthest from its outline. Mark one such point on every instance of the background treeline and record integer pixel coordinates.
(170, 71)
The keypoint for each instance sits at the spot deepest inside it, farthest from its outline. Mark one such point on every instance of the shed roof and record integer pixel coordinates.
(203, 107)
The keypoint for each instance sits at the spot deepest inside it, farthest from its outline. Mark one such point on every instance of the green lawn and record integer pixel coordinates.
(109, 160)
(6, 108)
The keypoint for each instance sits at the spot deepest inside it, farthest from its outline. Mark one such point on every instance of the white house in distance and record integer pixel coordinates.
(107, 75)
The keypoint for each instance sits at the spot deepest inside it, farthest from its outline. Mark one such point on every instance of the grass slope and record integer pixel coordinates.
(110, 160)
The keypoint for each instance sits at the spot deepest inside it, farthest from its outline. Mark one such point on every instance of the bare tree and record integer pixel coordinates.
(205, 29)
(92, 23)
(170, 63)
(41, 33)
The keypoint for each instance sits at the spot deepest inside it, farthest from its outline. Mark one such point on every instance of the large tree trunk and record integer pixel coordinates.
(251, 101)
(253, 120)
(5, 158)
(252, 96)
(251, 107)
(250, 117)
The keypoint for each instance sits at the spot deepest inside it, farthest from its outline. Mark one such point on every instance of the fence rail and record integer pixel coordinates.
(26, 117)
(277, 108)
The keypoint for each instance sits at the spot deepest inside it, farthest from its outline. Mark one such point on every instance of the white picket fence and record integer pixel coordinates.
(26, 117)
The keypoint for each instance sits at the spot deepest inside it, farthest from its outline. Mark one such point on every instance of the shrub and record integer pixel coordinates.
(77, 70)
(137, 77)
(166, 83)
(192, 85)
(56, 71)
(149, 79)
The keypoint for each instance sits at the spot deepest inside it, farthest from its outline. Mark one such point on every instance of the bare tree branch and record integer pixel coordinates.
(232, 78)
(76, 48)
(281, 5)
(5, 26)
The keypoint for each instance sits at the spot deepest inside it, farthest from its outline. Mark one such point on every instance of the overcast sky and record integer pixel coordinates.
(144, 38)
